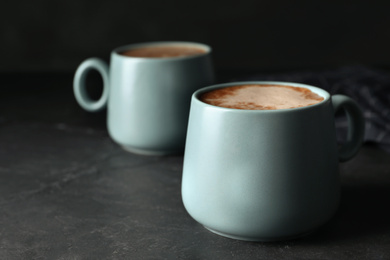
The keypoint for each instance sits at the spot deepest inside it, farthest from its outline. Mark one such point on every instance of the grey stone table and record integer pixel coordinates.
(68, 192)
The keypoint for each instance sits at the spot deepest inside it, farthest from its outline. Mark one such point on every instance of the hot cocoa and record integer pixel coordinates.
(261, 97)
(164, 51)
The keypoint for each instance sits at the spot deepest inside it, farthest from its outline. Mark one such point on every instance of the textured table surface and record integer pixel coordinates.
(68, 192)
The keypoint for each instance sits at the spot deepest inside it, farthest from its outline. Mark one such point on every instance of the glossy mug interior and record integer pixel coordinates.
(266, 175)
(148, 97)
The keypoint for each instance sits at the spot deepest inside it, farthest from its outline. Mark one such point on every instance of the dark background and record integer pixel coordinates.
(263, 35)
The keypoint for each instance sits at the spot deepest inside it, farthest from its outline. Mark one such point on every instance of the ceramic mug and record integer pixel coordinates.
(266, 175)
(147, 99)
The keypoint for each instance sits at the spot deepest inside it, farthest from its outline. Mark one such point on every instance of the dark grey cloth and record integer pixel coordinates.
(368, 86)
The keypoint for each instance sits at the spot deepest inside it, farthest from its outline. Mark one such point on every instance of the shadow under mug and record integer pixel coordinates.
(266, 175)
(147, 99)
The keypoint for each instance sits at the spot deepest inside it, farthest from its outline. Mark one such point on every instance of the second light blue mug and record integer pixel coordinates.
(266, 175)
(148, 99)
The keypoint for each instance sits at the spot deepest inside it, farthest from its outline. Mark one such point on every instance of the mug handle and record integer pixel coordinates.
(79, 86)
(355, 126)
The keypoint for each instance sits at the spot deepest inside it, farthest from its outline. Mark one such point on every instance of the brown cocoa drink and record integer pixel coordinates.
(261, 97)
(164, 51)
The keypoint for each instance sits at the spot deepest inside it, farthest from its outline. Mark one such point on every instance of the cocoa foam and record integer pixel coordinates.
(261, 97)
(163, 51)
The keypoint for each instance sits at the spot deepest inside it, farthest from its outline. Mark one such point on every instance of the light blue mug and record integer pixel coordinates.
(148, 99)
(266, 175)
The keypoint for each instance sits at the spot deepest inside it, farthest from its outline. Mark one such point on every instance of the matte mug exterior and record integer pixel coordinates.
(266, 175)
(148, 99)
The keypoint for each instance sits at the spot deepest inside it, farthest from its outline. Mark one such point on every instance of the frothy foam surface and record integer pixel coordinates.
(261, 97)
(164, 51)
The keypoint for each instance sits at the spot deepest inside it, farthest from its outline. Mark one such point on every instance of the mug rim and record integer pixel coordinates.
(116, 51)
(323, 93)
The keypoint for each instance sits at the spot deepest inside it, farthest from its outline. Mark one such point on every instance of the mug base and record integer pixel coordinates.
(259, 239)
(151, 152)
